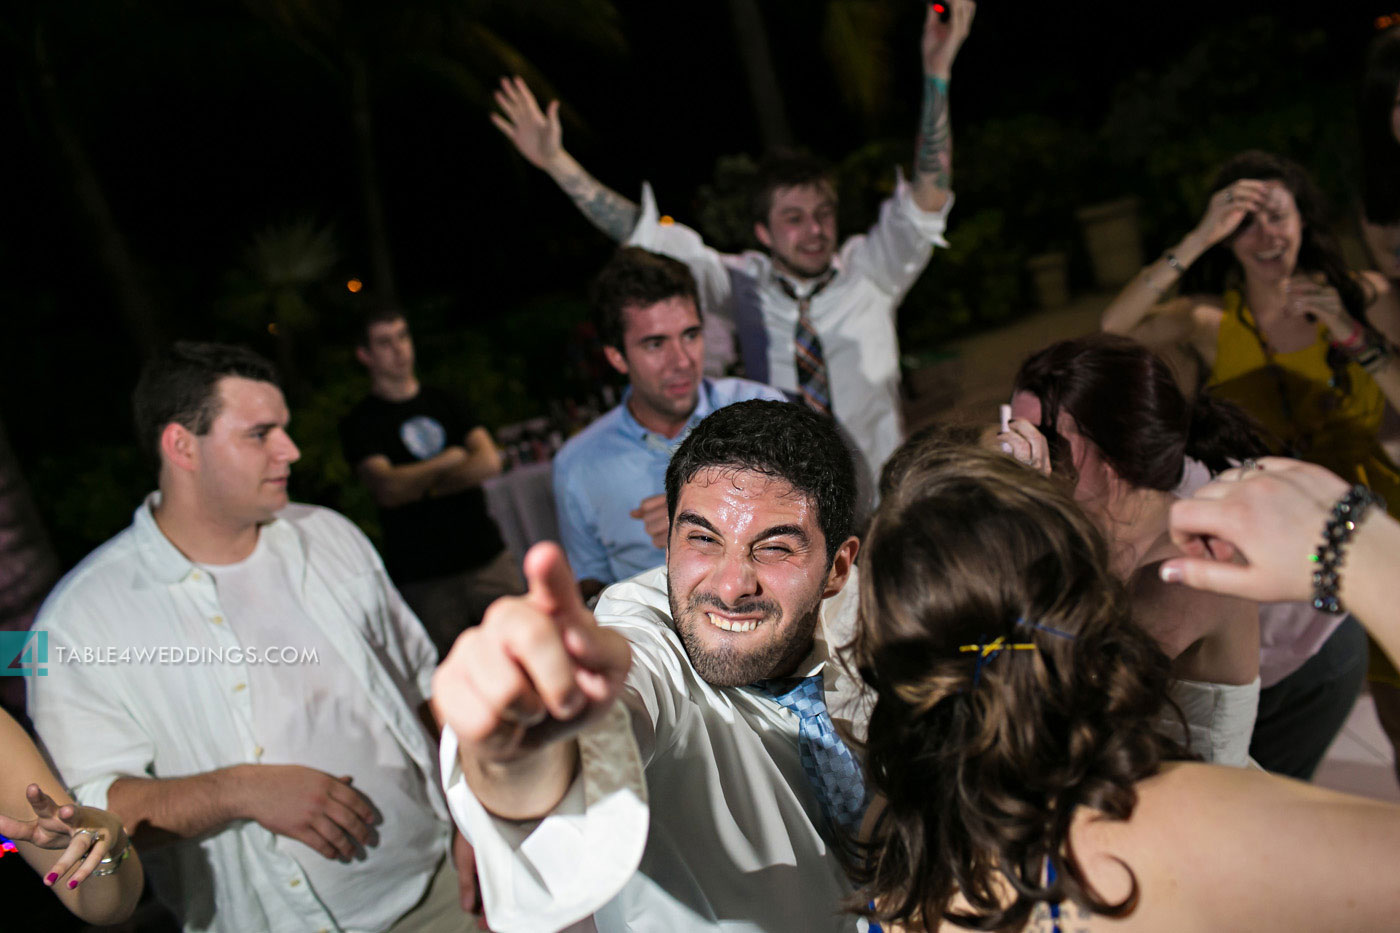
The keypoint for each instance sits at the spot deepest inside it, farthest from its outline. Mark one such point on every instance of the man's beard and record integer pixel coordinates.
(728, 665)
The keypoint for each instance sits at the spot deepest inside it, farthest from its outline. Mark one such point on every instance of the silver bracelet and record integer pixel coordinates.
(112, 862)
(1175, 263)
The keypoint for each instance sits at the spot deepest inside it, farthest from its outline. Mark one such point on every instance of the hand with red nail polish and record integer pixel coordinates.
(85, 834)
(60, 840)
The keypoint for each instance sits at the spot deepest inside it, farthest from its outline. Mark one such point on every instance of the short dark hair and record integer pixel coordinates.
(636, 278)
(1125, 401)
(383, 314)
(782, 440)
(786, 169)
(180, 385)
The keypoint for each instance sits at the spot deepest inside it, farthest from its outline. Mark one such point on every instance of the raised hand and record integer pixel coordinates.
(536, 133)
(1271, 516)
(1228, 207)
(535, 671)
(87, 835)
(655, 518)
(941, 40)
(1023, 440)
(311, 806)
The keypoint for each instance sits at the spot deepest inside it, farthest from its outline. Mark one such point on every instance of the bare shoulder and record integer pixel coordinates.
(1251, 850)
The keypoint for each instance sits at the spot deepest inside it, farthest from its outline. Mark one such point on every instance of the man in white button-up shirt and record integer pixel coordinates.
(277, 773)
(849, 290)
(628, 771)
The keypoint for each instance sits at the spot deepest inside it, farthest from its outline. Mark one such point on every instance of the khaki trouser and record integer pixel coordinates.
(449, 605)
(440, 910)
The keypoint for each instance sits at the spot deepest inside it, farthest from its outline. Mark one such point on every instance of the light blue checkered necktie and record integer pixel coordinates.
(831, 769)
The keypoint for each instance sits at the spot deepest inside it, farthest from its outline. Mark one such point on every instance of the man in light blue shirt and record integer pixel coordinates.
(609, 479)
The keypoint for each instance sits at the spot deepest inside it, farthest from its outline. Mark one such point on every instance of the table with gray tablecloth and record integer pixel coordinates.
(522, 503)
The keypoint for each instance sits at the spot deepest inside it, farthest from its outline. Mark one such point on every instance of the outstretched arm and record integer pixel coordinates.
(1272, 517)
(517, 688)
(933, 149)
(538, 135)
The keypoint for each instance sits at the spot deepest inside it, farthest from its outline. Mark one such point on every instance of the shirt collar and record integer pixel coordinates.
(804, 287)
(633, 429)
(169, 566)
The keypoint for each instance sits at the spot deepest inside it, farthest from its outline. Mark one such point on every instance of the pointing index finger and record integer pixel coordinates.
(551, 582)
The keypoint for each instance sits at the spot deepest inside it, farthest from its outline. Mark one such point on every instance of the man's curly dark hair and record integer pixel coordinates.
(782, 440)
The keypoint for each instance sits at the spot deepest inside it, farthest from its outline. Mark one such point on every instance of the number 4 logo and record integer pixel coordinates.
(24, 654)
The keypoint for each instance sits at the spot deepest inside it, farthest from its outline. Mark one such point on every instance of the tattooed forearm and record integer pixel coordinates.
(933, 158)
(607, 210)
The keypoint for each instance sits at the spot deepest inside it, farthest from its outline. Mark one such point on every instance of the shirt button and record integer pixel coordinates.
(238, 688)
(296, 882)
(194, 575)
(258, 752)
(217, 620)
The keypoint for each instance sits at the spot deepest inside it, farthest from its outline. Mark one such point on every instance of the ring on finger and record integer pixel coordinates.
(96, 834)
(1229, 195)
(1248, 465)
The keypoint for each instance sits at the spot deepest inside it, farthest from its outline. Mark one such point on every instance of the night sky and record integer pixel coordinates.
(204, 124)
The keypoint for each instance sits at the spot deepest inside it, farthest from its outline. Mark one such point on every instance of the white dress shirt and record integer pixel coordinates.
(854, 315)
(303, 715)
(691, 811)
(104, 721)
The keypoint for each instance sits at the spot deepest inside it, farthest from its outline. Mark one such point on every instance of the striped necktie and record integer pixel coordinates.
(812, 380)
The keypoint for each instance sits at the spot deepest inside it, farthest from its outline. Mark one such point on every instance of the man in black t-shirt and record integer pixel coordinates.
(424, 457)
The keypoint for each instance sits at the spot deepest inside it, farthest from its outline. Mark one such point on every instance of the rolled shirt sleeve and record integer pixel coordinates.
(80, 715)
(543, 876)
(897, 248)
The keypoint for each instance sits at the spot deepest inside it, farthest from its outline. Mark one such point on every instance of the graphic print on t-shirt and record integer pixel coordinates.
(423, 436)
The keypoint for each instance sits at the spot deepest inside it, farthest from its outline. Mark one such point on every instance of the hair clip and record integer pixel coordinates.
(1045, 628)
(990, 650)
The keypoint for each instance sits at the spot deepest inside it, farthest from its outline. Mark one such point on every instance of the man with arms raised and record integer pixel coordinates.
(674, 767)
(608, 479)
(263, 796)
(811, 318)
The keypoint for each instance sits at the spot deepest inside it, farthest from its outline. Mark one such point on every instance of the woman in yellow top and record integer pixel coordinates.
(1269, 317)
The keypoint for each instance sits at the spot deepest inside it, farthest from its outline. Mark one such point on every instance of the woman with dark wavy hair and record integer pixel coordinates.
(1014, 741)
(1104, 414)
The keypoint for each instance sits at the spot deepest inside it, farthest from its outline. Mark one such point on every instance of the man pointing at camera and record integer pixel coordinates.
(670, 762)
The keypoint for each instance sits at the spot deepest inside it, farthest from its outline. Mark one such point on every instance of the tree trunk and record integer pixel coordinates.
(137, 309)
(28, 567)
(381, 260)
(767, 96)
